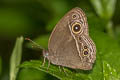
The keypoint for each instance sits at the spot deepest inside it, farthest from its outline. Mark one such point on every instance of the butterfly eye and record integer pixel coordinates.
(76, 28)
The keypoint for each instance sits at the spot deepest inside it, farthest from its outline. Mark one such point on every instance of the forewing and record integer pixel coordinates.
(62, 47)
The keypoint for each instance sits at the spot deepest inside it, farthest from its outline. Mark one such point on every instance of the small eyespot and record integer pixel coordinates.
(85, 53)
(74, 16)
(85, 47)
(76, 28)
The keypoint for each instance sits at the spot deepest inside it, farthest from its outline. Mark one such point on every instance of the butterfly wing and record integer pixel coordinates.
(62, 45)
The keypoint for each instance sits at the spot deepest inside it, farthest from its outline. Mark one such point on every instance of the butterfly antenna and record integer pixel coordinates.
(34, 43)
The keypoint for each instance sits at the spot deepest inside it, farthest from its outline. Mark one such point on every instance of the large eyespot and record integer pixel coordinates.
(76, 28)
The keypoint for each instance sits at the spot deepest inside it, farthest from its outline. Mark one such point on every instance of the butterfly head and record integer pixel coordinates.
(45, 53)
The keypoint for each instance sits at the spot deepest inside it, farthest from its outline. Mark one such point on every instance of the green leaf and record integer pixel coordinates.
(109, 72)
(54, 70)
(15, 58)
(104, 8)
(33, 74)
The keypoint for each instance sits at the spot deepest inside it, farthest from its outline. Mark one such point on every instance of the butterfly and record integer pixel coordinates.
(69, 44)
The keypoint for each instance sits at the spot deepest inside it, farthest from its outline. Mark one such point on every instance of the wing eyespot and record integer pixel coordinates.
(74, 16)
(85, 52)
(76, 28)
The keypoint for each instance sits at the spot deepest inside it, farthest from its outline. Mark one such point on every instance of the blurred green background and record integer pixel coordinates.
(36, 19)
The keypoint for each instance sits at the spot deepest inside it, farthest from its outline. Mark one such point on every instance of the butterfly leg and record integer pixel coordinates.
(64, 71)
(48, 65)
(60, 69)
(44, 61)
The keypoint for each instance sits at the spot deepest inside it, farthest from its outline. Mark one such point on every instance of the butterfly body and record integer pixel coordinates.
(70, 44)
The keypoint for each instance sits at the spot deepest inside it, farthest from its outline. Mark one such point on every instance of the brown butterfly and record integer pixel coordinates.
(70, 44)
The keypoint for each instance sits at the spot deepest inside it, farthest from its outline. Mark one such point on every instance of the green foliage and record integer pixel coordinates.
(36, 19)
(16, 58)
(33, 74)
(53, 70)
(17, 22)
(104, 8)
(109, 72)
